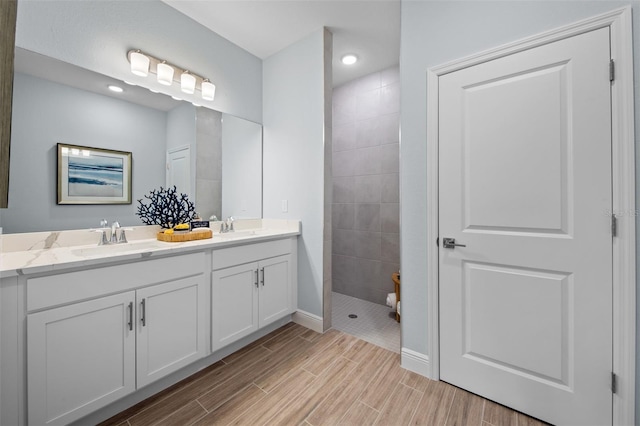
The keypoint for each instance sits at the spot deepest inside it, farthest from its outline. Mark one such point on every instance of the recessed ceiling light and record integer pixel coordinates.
(116, 89)
(349, 59)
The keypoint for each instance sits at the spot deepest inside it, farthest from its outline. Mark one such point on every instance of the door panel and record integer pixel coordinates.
(171, 327)
(81, 357)
(234, 304)
(525, 184)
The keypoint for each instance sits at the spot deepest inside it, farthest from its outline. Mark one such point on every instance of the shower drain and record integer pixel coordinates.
(353, 316)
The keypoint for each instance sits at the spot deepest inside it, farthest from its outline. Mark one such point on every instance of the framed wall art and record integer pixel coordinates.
(93, 175)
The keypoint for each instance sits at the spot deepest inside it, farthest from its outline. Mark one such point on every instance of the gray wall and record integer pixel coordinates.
(435, 32)
(45, 113)
(366, 218)
(293, 161)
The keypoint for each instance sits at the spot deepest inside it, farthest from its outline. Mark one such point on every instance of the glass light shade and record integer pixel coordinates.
(165, 74)
(187, 83)
(208, 90)
(139, 64)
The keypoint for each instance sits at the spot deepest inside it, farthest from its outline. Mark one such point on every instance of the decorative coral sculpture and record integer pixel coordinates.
(166, 208)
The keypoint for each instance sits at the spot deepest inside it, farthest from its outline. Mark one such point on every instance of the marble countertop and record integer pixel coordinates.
(43, 252)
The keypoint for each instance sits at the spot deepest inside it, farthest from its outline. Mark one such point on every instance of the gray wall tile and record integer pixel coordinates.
(389, 126)
(367, 217)
(344, 163)
(390, 250)
(390, 217)
(368, 273)
(344, 268)
(343, 242)
(368, 161)
(390, 99)
(343, 189)
(367, 245)
(368, 104)
(344, 137)
(367, 133)
(390, 191)
(367, 189)
(343, 216)
(390, 158)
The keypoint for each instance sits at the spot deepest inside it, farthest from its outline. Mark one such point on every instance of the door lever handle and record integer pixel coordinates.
(450, 243)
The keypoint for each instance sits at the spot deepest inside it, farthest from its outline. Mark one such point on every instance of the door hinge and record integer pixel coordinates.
(614, 383)
(438, 242)
(614, 225)
(612, 70)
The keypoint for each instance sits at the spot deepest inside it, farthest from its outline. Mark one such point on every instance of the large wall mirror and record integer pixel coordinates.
(213, 157)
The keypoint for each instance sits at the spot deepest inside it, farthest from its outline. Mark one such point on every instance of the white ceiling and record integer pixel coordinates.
(368, 28)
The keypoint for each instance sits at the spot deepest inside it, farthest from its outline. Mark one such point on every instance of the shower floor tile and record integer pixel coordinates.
(375, 323)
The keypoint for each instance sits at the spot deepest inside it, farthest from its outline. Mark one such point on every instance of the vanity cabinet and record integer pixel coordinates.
(85, 355)
(251, 295)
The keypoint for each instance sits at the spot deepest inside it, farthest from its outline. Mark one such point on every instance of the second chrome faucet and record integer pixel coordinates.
(114, 239)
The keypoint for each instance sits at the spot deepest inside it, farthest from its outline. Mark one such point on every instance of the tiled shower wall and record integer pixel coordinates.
(366, 194)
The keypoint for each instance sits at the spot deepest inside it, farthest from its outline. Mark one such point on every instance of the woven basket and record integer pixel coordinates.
(183, 237)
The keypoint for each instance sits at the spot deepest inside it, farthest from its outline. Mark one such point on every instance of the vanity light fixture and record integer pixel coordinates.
(349, 59)
(142, 64)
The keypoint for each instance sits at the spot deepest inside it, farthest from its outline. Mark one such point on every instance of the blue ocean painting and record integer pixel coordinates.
(96, 176)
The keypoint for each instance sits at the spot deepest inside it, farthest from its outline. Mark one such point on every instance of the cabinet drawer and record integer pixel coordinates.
(55, 290)
(238, 255)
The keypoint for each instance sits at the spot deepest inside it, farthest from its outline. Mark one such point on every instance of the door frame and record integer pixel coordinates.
(623, 192)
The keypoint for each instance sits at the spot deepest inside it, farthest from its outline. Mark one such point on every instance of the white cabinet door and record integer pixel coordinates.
(80, 358)
(275, 289)
(234, 304)
(171, 324)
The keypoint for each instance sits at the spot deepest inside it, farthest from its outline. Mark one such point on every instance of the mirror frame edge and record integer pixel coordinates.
(8, 17)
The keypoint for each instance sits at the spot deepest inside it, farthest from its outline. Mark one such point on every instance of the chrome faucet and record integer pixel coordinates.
(114, 238)
(115, 226)
(227, 225)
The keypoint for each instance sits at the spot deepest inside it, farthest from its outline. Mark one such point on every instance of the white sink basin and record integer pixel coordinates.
(237, 234)
(118, 248)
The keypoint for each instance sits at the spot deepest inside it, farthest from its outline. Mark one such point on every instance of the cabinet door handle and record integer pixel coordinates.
(130, 323)
(143, 313)
(262, 281)
(256, 278)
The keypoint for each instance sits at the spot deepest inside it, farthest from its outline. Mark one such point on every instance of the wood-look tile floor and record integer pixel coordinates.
(295, 376)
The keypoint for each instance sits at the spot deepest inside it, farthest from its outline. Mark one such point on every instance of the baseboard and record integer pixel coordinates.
(311, 321)
(415, 361)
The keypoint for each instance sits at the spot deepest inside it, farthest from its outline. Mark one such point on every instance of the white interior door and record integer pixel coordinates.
(179, 170)
(525, 184)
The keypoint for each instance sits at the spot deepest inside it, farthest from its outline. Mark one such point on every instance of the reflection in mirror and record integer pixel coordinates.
(58, 102)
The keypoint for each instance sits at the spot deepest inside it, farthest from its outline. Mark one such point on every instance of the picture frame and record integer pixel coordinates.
(88, 175)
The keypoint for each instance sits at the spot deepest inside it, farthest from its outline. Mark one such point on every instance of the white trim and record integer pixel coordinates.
(623, 166)
(311, 321)
(414, 361)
